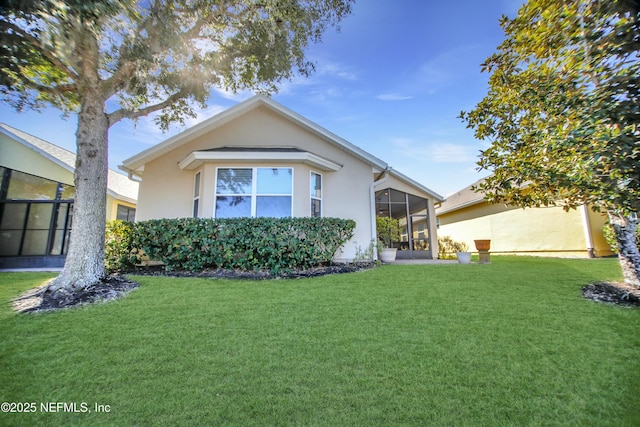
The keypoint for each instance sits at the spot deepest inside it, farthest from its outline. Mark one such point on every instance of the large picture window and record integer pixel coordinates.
(254, 192)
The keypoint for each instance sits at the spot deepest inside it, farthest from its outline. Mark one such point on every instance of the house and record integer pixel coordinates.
(36, 200)
(260, 158)
(546, 231)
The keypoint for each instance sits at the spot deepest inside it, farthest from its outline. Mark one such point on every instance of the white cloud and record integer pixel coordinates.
(450, 153)
(341, 71)
(393, 97)
(436, 152)
(327, 79)
(227, 94)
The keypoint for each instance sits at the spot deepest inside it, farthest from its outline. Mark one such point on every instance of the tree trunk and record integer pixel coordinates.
(84, 265)
(628, 253)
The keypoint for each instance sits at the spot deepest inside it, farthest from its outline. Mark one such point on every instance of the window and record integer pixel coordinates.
(35, 215)
(24, 186)
(196, 195)
(125, 213)
(253, 192)
(316, 194)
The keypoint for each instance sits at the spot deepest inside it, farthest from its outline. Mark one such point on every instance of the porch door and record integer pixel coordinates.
(417, 209)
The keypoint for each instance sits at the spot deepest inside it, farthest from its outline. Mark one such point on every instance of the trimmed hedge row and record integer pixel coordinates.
(273, 244)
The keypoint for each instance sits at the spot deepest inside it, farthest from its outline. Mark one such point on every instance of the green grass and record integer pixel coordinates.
(510, 343)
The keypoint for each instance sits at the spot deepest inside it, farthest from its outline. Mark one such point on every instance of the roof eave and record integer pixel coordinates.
(135, 162)
(436, 197)
(38, 150)
(460, 206)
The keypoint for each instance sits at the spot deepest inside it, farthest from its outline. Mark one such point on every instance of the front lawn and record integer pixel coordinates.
(510, 343)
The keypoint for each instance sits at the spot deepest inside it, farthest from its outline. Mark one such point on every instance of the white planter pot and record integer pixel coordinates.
(464, 257)
(387, 254)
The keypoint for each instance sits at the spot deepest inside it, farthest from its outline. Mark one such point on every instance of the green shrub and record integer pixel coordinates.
(273, 244)
(447, 247)
(388, 230)
(119, 253)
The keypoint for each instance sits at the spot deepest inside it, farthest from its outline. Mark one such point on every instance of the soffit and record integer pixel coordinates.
(197, 158)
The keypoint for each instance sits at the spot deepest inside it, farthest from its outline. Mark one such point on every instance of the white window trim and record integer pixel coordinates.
(197, 188)
(254, 187)
(311, 173)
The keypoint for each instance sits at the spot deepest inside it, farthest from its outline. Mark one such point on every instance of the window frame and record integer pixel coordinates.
(197, 191)
(254, 195)
(129, 212)
(311, 193)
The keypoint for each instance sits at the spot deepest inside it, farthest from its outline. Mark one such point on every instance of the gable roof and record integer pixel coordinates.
(462, 199)
(136, 163)
(402, 177)
(118, 185)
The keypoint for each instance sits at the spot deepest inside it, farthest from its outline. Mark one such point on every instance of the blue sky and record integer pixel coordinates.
(392, 81)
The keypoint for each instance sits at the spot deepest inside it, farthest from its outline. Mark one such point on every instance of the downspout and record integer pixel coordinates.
(372, 198)
(588, 237)
(130, 174)
(134, 178)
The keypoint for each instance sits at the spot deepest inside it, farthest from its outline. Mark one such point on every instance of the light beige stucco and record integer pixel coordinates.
(166, 191)
(168, 169)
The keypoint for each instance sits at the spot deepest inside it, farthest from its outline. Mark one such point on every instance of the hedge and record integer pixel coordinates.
(273, 244)
(118, 246)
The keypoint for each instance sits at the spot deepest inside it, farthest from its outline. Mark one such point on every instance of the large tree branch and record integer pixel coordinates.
(123, 113)
(44, 50)
(114, 83)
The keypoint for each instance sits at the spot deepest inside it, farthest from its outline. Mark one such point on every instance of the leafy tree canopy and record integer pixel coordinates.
(563, 107)
(149, 55)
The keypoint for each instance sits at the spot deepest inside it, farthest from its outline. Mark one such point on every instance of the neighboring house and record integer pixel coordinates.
(259, 158)
(36, 200)
(546, 231)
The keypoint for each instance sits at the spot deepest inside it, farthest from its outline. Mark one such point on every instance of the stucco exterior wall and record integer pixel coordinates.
(597, 220)
(534, 231)
(166, 191)
(14, 155)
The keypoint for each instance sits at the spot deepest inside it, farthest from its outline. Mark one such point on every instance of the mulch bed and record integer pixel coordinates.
(117, 285)
(612, 293)
(38, 299)
(336, 268)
